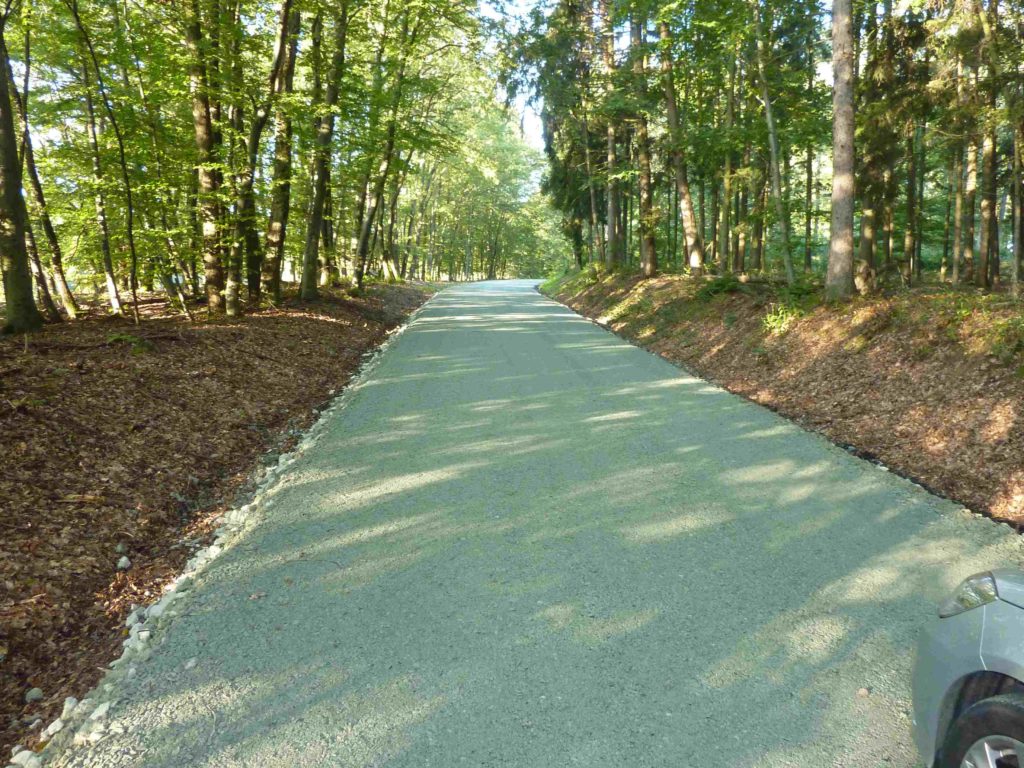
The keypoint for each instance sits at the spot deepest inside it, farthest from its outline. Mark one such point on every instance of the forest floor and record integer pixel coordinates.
(123, 440)
(928, 382)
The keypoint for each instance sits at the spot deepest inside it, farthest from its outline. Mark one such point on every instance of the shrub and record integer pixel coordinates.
(727, 283)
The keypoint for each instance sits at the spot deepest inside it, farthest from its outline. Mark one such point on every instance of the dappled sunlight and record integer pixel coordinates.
(784, 536)
(366, 569)
(787, 641)
(591, 629)
(618, 416)
(481, 553)
(358, 730)
(669, 528)
(362, 535)
(361, 495)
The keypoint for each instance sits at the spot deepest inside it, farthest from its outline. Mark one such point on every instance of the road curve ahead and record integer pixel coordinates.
(525, 542)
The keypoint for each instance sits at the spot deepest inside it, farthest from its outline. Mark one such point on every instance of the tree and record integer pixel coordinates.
(22, 314)
(839, 283)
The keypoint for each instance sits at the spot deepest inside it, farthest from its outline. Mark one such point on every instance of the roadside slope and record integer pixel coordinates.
(930, 383)
(124, 440)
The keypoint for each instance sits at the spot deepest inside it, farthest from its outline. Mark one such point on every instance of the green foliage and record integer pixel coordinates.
(718, 286)
(780, 318)
(1006, 340)
(138, 345)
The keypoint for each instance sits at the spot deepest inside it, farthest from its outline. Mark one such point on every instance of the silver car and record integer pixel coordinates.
(968, 694)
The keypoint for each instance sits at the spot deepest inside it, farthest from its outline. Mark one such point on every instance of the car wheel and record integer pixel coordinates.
(990, 734)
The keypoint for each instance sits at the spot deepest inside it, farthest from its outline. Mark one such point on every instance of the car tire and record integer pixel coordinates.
(999, 716)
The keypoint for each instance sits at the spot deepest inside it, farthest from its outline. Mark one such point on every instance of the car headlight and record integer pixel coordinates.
(974, 591)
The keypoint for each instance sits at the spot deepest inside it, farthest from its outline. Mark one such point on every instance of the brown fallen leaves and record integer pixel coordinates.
(123, 440)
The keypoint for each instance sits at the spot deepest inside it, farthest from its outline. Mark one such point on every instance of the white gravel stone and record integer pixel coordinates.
(33, 695)
(124, 563)
(101, 711)
(70, 703)
(22, 756)
(54, 728)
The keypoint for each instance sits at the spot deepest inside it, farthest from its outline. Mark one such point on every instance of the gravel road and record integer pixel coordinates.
(525, 542)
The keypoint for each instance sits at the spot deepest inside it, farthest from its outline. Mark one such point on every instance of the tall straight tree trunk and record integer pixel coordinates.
(21, 312)
(322, 156)
(246, 242)
(909, 244)
(64, 293)
(100, 202)
(958, 214)
(1018, 215)
(39, 274)
(648, 256)
(839, 280)
(970, 198)
(868, 237)
(207, 176)
(108, 108)
(948, 222)
(596, 235)
(691, 232)
(613, 239)
(724, 229)
(922, 173)
(280, 185)
(363, 247)
(986, 253)
(988, 261)
(809, 211)
(773, 147)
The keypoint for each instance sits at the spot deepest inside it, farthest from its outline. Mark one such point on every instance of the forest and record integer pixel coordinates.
(213, 151)
(874, 145)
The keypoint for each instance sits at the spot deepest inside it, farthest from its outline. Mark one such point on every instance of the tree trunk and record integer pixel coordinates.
(1018, 215)
(958, 214)
(208, 178)
(21, 312)
(725, 209)
(64, 293)
(39, 274)
(648, 225)
(773, 146)
(100, 203)
(322, 156)
(944, 269)
(839, 280)
(613, 239)
(108, 107)
(970, 196)
(909, 244)
(280, 186)
(809, 211)
(694, 239)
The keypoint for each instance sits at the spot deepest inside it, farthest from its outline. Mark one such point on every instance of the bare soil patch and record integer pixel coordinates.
(130, 440)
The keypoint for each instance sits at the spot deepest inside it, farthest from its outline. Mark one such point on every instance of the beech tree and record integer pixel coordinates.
(930, 91)
(839, 283)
